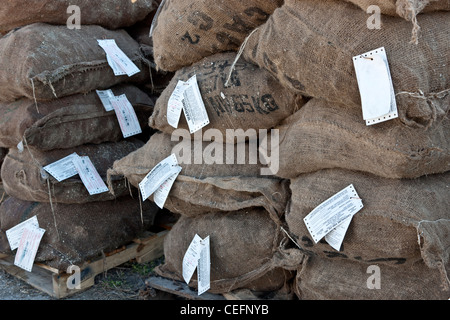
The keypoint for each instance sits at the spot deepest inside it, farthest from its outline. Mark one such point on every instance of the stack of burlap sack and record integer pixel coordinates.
(49, 74)
(287, 65)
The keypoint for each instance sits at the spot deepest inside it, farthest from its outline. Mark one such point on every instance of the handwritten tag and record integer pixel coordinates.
(193, 106)
(89, 175)
(128, 121)
(117, 59)
(14, 234)
(63, 168)
(28, 246)
(161, 194)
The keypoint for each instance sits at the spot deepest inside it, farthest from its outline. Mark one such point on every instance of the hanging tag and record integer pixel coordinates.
(175, 104)
(191, 257)
(161, 194)
(332, 212)
(20, 146)
(89, 175)
(14, 234)
(128, 121)
(336, 236)
(63, 168)
(28, 246)
(375, 86)
(122, 62)
(104, 96)
(156, 177)
(204, 267)
(193, 106)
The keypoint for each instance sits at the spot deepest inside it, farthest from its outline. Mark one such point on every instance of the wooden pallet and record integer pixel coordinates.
(54, 282)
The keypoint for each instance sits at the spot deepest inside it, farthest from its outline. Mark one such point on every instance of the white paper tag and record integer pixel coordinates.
(191, 257)
(204, 267)
(104, 96)
(160, 195)
(175, 104)
(128, 121)
(120, 59)
(89, 175)
(332, 212)
(14, 234)
(336, 236)
(20, 146)
(375, 86)
(156, 177)
(193, 106)
(28, 246)
(63, 168)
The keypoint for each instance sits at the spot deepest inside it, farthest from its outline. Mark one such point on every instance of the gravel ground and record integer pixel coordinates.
(125, 282)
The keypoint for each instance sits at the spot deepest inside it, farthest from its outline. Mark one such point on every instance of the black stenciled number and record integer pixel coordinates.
(201, 20)
(188, 37)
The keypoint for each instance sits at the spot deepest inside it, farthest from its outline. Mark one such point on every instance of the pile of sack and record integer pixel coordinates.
(285, 132)
(298, 54)
(50, 109)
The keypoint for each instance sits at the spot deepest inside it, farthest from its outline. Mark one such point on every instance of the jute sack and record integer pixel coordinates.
(327, 135)
(253, 98)
(204, 186)
(24, 178)
(323, 279)
(246, 251)
(187, 31)
(109, 14)
(403, 221)
(69, 121)
(319, 39)
(54, 61)
(76, 233)
(406, 9)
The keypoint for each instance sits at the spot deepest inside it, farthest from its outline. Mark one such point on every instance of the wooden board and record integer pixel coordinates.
(54, 282)
(180, 289)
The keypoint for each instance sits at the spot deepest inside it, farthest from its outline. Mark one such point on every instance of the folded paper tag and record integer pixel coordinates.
(28, 246)
(161, 194)
(375, 86)
(104, 96)
(117, 59)
(197, 256)
(158, 175)
(89, 175)
(193, 106)
(175, 104)
(334, 211)
(14, 234)
(128, 121)
(63, 168)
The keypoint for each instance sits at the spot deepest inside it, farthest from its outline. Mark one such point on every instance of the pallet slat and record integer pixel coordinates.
(54, 282)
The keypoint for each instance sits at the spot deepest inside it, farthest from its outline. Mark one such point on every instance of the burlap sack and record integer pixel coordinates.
(254, 99)
(186, 31)
(24, 178)
(109, 14)
(323, 279)
(245, 250)
(404, 8)
(402, 221)
(43, 62)
(202, 188)
(77, 233)
(69, 121)
(308, 46)
(326, 135)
